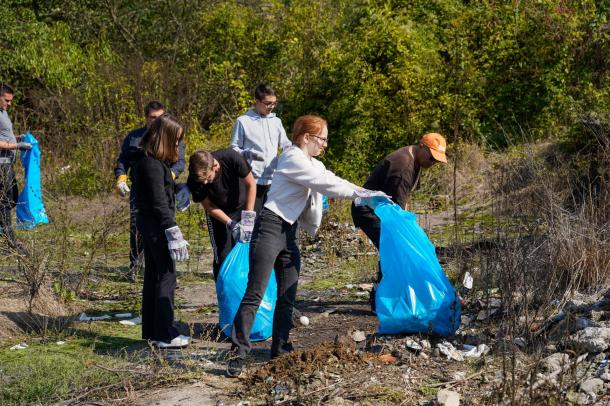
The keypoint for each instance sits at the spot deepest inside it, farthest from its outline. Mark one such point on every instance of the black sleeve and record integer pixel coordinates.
(198, 190)
(122, 162)
(152, 182)
(242, 168)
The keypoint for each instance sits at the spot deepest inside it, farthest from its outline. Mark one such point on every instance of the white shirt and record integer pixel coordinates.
(297, 188)
(263, 134)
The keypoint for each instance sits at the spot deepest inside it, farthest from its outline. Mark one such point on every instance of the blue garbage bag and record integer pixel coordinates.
(414, 295)
(325, 205)
(231, 287)
(30, 207)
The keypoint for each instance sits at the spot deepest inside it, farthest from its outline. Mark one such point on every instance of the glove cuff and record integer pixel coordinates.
(173, 234)
(121, 178)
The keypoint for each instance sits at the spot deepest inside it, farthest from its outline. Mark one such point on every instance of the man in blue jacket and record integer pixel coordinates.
(122, 171)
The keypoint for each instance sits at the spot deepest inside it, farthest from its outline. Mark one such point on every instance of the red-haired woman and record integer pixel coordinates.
(156, 221)
(294, 199)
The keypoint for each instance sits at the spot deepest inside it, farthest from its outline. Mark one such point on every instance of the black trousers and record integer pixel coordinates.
(136, 245)
(365, 218)
(221, 240)
(261, 197)
(274, 245)
(159, 283)
(8, 200)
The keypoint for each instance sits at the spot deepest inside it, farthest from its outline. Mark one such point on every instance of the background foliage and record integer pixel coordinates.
(382, 72)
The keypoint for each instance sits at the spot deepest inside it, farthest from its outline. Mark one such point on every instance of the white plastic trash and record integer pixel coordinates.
(84, 317)
(476, 352)
(20, 346)
(468, 280)
(132, 322)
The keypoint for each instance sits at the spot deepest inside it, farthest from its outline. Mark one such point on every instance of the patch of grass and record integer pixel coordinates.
(386, 394)
(46, 373)
(428, 391)
(359, 270)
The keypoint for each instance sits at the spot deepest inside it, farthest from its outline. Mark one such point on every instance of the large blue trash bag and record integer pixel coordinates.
(30, 207)
(414, 295)
(231, 287)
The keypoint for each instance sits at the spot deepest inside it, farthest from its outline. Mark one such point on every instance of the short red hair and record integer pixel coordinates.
(309, 124)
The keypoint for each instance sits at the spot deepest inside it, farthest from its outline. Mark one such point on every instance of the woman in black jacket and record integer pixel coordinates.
(156, 220)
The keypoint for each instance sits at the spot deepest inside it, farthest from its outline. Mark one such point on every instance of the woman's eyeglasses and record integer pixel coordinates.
(324, 140)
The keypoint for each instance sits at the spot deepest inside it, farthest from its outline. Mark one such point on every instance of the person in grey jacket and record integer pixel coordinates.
(295, 197)
(8, 184)
(257, 135)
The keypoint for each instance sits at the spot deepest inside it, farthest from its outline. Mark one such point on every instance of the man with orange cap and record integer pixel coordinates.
(397, 175)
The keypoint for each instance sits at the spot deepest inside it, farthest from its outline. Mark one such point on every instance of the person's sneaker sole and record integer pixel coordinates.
(174, 344)
(235, 367)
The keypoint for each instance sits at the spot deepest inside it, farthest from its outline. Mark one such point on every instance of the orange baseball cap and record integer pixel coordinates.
(437, 145)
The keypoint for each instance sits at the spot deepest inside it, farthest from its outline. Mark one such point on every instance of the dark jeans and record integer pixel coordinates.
(136, 246)
(274, 245)
(365, 218)
(8, 200)
(159, 283)
(261, 197)
(221, 240)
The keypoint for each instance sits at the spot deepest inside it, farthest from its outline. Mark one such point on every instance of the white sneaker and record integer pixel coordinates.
(178, 342)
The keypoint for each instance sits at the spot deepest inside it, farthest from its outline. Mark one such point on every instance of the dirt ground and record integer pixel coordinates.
(338, 360)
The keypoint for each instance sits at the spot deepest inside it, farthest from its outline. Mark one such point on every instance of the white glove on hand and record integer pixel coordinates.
(370, 198)
(24, 146)
(246, 225)
(178, 246)
(122, 188)
(252, 155)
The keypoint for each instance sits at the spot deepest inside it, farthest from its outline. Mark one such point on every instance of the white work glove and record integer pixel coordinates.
(24, 146)
(370, 198)
(122, 188)
(252, 155)
(178, 247)
(246, 225)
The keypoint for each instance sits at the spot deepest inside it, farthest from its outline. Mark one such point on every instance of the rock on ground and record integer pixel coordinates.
(448, 398)
(592, 386)
(555, 362)
(591, 339)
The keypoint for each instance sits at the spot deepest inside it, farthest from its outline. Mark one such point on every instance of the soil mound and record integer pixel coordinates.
(332, 357)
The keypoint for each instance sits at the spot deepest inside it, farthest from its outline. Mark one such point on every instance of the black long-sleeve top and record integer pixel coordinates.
(129, 151)
(154, 187)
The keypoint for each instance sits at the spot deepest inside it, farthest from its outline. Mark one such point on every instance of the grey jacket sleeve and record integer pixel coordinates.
(237, 137)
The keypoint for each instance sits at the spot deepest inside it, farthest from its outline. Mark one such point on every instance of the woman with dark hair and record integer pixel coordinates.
(156, 220)
(294, 199)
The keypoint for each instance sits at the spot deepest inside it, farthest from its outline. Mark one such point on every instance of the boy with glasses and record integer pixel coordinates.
(397, 175)
(257, 135)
